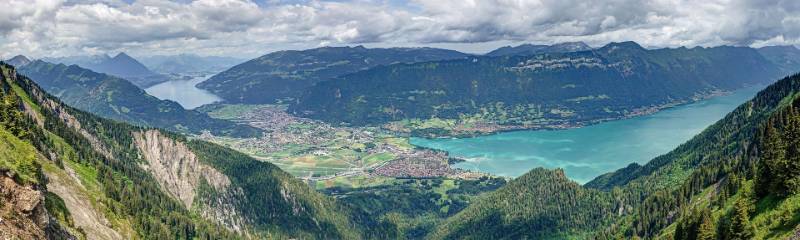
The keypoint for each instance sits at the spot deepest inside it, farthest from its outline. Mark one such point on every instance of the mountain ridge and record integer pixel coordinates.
(537, 91)
(124, 66)
(121, 65)
(118, 99)
(18, 61)
(532, 49)
(283, 75)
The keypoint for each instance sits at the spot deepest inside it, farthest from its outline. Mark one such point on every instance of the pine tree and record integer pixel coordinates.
(740, 227)
(772, 166)
(707, 230)
(791, 175)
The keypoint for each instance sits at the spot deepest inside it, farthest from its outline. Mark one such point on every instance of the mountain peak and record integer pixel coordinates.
(123, 55)
(572, 46)
(626, 45)
(19, 61)
(123, 65)
(531, 49)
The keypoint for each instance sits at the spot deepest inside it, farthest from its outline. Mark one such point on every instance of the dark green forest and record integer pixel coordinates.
(285, 75)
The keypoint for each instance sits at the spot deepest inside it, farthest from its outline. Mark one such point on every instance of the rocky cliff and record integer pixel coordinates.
(23, 214)
(180, 173)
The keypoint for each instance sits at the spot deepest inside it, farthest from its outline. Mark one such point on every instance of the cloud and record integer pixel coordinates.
(243, 27)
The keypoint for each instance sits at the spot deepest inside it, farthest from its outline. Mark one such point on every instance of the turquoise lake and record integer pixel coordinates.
(585, 153)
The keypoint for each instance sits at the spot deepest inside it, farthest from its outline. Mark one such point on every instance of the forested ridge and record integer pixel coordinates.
(116, 98)
(573, 88)
(284, 75)
(532, 49)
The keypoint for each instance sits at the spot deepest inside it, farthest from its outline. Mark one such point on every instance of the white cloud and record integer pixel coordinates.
(242, 27)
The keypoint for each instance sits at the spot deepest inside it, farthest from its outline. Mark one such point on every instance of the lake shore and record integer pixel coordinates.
(587, 151)
(478, 129)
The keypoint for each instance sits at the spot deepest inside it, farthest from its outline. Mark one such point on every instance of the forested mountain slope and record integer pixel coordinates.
(786, 57)
(150, 184)
(701, 190)
(617, 80)
(286, 74)
(115, 98)
(539, 204)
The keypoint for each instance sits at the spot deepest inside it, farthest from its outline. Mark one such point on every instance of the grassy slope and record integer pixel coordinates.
(19, 157)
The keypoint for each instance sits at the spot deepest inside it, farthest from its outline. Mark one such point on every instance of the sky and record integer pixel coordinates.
(245, 28)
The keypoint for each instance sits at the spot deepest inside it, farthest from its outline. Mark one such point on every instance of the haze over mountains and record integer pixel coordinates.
(116, 98)
(121, 65)
(188, 63)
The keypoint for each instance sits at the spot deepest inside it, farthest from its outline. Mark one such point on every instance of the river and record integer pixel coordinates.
(585, 153)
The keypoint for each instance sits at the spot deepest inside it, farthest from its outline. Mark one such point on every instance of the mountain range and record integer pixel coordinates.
(718, 184)
(188, 63)
(122, 65)
(526, 86)
(74, 174)
(116, 98)
(541, 90)
(532, 49)
(285, 74)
